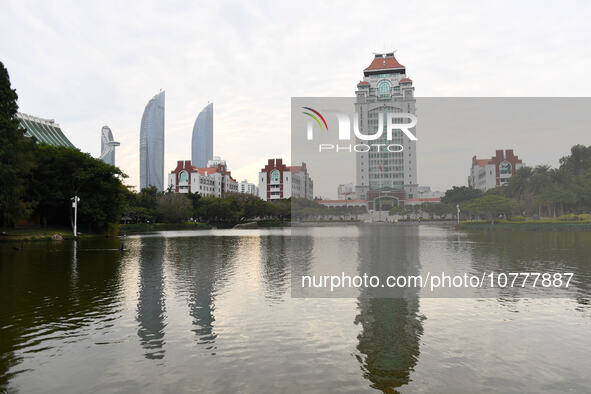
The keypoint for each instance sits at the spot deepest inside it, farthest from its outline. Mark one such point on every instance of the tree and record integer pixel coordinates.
(458, 194)
(438, 209)
(578, 162)
(173, 208)
(16, 157)
(489, 205)
(61, 173)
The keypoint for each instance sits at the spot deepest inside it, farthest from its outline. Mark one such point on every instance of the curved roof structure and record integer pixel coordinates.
(385, 62)
(45, 131)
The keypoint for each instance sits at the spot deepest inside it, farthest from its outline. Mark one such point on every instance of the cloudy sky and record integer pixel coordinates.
(87, 64)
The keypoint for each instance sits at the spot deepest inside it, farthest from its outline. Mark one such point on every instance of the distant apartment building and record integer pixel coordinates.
(487, 174)
(277, 181)
(215, 162)
(425, 195)
(346, 192)
(214, 181)
(248, 188)
(426, 192)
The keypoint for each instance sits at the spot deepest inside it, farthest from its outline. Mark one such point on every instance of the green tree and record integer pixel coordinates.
(61, 173)
(458, 194)
(16, 157)
(438, 210)
(173, 208)
(489, 205)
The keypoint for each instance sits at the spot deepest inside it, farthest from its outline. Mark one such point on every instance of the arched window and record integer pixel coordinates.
(275, 176)
(505, 168)
(384, 88)
(184, 176)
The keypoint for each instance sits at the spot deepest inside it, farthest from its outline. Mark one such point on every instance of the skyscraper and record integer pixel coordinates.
(152, 144)
(385, 89)
(202, 141)
(108, 145)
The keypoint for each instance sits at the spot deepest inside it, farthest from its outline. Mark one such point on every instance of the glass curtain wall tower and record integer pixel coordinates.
(202, 141)
(152, 144)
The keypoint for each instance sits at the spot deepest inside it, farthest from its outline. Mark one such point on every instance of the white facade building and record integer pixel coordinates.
(346, 192)
(385, 89)
(426, 192)
(277, 181)
(248, 188)
(207, 181)
(487, 174)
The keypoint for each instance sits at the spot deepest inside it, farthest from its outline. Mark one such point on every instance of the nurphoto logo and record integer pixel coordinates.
(402, 121)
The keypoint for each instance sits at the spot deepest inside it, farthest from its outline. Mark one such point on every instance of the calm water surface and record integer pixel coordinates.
(212, 311)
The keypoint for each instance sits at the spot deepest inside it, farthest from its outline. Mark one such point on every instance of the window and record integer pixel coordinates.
(184, 176)
(505, 168)
(275, 176)
(384, 88)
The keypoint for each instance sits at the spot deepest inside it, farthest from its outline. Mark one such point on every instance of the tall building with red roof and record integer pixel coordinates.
(214, 180)
(385, 89)
(278, 181)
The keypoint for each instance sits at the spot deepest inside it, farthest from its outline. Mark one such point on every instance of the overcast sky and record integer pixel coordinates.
(87, 64)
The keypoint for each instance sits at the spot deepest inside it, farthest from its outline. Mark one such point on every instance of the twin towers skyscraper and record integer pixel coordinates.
(152, 142)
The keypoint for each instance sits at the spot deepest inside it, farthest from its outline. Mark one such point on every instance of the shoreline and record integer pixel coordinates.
(526, 226)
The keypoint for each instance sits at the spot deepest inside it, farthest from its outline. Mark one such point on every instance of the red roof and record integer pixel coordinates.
(294, 168)
(482, 162)
(363, 83)
(209, 170)
(383, 63)
(403, 80)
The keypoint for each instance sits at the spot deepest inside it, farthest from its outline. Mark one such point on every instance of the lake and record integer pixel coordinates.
(213, 311)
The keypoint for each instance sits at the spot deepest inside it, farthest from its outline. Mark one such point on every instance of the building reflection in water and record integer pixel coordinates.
(202, 265)
(274, 267)
(151, 309)
(391, 325)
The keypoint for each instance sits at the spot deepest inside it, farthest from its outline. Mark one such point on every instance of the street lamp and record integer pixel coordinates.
(75, 200)
(458, 208)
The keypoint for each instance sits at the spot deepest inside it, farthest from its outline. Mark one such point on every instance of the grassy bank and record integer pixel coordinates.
(146, 228)
(274, 223)
(40, 234)
(544, 224)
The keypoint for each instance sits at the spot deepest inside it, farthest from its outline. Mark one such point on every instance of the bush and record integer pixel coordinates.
(570, 218)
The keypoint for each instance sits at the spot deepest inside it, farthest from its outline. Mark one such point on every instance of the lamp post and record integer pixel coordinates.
(458, 208)
(75, 201)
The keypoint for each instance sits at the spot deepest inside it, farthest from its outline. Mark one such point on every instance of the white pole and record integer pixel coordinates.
(75, 213)
(458, 208)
